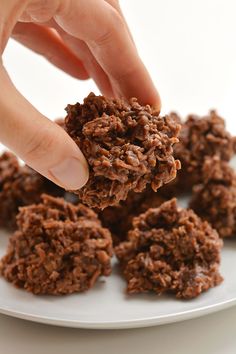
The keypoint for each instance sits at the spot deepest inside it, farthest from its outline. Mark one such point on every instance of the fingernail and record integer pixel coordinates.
(71, 173)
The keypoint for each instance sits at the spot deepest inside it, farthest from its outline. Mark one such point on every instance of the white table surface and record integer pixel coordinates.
(213, 334)
(190, 49)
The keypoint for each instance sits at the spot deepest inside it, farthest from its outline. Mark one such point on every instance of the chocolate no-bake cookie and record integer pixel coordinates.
(127, 146)
(118, 219)
(170, 249)
(215, 198)
(58, 248)
(201, 137)
(19, 186)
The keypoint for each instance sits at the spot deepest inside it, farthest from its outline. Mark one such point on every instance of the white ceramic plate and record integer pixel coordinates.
(107, 306)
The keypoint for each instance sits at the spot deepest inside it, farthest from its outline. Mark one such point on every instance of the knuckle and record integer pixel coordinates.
(114, 24)
(40, 10)
(39, 146)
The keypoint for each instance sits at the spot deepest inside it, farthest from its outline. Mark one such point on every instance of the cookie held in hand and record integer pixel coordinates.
(127, 146)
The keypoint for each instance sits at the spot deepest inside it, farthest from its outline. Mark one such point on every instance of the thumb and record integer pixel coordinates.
(42, 144)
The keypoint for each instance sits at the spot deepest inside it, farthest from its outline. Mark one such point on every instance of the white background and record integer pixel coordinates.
(190, 49)
(188, 46)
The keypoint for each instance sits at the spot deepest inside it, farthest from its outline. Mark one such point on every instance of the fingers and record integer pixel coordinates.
(116, 5)
(91, 65)
(47, 42)
(42, 144)
(110, 43)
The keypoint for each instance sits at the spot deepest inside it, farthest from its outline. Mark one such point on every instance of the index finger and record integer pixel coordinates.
(103, 29)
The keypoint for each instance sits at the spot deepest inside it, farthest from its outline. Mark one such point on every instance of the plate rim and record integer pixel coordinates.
(122, 324)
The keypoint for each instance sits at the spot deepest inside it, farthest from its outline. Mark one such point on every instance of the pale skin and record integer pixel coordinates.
(85, 38)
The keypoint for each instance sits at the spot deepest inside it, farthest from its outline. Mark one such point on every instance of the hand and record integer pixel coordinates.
(85, 38)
